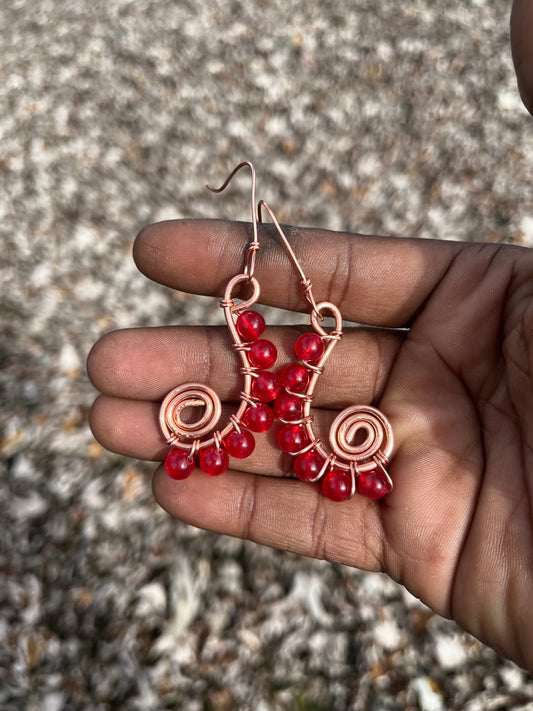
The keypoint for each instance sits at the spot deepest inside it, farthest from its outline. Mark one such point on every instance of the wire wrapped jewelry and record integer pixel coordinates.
(361, 437)
(199, 438)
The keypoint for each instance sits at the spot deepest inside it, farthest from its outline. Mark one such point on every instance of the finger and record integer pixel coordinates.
(145, 364)
(522, 48)
(378, 281)
(286, 514)
(128, 427)
(131, 428)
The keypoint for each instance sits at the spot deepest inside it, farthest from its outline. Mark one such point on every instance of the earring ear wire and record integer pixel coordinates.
(254, 246)
(201, 439)
(361, 437)
(306, 283)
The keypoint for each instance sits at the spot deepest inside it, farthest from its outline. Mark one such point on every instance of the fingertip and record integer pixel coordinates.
(94, 417)
(196, 499)
(128, 427)
(102, 426)
(196, 256)
(148, 242)
(94, 359)
(105, 362)
(163, 487)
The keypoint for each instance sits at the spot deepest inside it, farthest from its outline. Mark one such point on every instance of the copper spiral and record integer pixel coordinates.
(376, 442)
(186, 396)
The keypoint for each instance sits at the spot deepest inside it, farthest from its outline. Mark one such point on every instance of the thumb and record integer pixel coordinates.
(522, 48)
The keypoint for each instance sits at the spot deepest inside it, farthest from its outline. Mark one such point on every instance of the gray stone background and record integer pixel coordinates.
(387, 117)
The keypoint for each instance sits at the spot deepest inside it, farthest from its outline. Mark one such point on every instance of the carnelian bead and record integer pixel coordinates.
(309, 347)
(250, 325)
(262, 354)
(214, 461)
(292, 438)
(373, 484)
(307, 466)
(240, 444)
(288, 407)
(178, 464)
(295, 377)
(337, 485)
(266, 387)
(258, 418)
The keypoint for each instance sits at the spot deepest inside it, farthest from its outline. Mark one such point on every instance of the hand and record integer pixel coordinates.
(457, 387)
(522, 48)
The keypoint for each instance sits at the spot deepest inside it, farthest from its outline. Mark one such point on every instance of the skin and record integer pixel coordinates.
(455, 382)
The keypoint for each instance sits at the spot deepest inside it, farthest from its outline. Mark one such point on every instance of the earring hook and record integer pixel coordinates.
(254, 246)
(306, 283)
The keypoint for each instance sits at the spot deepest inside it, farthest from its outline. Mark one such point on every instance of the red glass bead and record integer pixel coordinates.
(214, 461)
(292, 438)
(240, 444)
(262, 354)
(178, 464)
(309, 347)
(308, 465)
(337, 485)
(250, 325)
(295, 377)
(373, 484)
(288, 407)
(266, 387)
(258, 418)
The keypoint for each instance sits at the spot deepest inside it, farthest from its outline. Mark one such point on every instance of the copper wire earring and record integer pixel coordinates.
(200, 439)
(360, 438)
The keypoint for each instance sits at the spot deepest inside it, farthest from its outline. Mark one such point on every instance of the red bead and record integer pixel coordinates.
(178, 464)
(308, 465)
(288, 407)
(250, 325)
(373, 484)
(214, 461)
(266, 387)
(309, 347)
(295, 377)
(262, 354)
(240, 444)
(292, 438)
(258, 418)
(337, 485)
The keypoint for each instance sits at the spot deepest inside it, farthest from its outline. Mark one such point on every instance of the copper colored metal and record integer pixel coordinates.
(308, 289)
(254, 246)
(189, 435)
(374, 449)
(179, 433)
(189, 395)
(348, 453)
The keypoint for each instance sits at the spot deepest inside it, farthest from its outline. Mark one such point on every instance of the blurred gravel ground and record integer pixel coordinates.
(378, 117)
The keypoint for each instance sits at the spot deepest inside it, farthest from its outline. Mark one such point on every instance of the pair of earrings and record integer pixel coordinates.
(360, 437)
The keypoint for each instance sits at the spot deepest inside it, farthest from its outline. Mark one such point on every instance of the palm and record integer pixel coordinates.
(456, 386)
(458, 530)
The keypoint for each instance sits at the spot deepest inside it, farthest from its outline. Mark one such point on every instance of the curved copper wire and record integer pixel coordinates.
(254, 246)
(376, 448)
(306, 283)
(184, 435)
